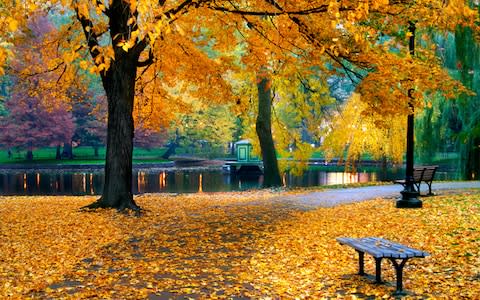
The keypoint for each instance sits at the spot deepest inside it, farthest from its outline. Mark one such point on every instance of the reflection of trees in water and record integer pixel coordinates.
(180, 181)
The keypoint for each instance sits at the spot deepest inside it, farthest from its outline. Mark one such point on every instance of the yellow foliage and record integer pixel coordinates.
(356, 131)
(225, 245)
(178, 33)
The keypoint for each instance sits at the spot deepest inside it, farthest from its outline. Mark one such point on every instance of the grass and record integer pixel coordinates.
(82, 155)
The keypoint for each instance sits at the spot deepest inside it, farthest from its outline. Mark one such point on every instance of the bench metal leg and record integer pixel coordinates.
(378, 266)
(430, 189)
(399, 271)
(378, 269)
(417, 185)
(361, 259)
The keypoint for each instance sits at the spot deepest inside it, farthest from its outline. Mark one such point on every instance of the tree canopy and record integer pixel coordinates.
(153, 52)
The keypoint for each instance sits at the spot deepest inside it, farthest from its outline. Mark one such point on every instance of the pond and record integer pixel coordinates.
(178, 181)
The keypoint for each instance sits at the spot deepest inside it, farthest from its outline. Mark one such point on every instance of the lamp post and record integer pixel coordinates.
(410, 194)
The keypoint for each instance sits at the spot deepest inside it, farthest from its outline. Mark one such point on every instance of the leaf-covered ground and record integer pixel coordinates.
(231, 245)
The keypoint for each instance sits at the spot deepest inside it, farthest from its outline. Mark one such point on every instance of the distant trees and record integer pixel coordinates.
(148, 138)
(90, 121)
(29, 124)
(205, 127)
(36, 113)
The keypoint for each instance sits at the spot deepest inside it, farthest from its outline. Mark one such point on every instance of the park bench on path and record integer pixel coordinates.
(380, 248)
(422, 173)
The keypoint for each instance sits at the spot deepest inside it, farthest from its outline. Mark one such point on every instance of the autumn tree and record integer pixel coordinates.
(38, 113)
(276, 61)
(123, 37)
(364, 42)
(352, 134)
(203, 125)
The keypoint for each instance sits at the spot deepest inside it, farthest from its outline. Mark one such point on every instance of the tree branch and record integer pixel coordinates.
(106, 11)
(148, 61)
(55, 68)
(92, 39)
(319, 9)
(184, 6)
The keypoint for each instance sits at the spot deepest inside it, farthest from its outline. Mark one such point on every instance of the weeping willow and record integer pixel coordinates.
(448, 131)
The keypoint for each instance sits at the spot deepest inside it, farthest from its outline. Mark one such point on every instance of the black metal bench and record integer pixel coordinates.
(380, 248)
(422, 173)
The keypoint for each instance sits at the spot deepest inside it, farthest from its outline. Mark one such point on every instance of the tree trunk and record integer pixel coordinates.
(170, 151)
(58, 155)
(67, 150)
(119, 84)
(29, 155)
(172, 145)
(271, 173)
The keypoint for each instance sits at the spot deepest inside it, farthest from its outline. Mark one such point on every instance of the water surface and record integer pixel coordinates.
(177, 181)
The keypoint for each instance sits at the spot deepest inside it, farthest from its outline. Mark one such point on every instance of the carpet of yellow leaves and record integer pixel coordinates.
(231, 245)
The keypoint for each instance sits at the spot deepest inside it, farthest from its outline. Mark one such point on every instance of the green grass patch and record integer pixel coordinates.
(82, 155)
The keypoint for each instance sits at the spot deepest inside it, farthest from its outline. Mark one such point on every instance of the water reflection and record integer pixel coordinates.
(178, 181)
(50, 183)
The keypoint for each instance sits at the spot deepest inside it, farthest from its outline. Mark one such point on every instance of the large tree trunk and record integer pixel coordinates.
(119, 84)
(271, 173)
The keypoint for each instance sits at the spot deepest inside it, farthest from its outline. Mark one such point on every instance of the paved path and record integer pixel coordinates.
(334, 197)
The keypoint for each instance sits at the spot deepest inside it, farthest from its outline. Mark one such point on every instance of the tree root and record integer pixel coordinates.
(123, 206)
(93, 206)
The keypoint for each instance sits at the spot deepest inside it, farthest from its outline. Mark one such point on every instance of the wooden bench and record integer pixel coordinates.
(422, 173)
(381, 248)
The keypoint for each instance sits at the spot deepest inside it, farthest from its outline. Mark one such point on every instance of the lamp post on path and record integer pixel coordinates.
(410, 194)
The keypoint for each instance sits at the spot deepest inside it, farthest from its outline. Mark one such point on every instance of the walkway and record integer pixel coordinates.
(334, 197)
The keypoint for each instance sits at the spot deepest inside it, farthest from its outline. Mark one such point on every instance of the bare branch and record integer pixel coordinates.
(55, 68)
(234, 10)
(63, 72)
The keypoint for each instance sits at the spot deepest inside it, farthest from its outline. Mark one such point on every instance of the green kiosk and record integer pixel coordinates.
(246, 162)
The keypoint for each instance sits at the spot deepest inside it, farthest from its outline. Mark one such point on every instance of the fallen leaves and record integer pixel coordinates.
(228, 245)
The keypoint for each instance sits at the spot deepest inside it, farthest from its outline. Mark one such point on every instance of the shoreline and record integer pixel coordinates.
(206, 165)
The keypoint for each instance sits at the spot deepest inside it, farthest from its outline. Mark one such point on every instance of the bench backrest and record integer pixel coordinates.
(429, 173)
(418, 173)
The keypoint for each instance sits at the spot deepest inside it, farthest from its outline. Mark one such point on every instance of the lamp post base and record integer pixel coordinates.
(409, 200)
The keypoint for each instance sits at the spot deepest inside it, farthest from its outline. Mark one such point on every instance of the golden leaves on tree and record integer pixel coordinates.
(355, 131)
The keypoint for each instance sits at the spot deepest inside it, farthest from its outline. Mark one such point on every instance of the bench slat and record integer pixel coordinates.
(382, 248)
(376, 248)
